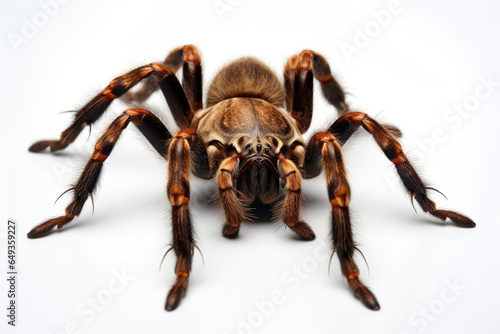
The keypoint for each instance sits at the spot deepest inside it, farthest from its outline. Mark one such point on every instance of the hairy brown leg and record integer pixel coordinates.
(178, 189)
(299, 92)
(232, 206)
(149, 125)
(290, 76)
(331, 89)
(339, 195)
(186, 56)
(299, 72)
(291, 205)
(393, 151)
(164, 78)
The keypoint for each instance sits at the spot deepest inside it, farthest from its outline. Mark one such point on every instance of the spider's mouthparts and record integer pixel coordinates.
(258, 160)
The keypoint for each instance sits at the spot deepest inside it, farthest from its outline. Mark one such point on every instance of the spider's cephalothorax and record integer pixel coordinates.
(249, 137)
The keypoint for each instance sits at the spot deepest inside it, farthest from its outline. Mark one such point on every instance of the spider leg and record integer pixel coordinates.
(292, 180)
(350, 122)
(165, 79)
(233, 207)
(179, 155)
(149, 125)
(339, 194)
(299, 92)
(178, 189)
(186, 56)
(299, 73)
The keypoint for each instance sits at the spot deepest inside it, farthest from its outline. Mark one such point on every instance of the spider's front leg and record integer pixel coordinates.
(149, 125)
(178, 154)
(179, 169)
(349, 123)
(324, 150)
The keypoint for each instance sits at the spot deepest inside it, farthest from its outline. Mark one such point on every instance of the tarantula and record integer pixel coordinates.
(249, 137)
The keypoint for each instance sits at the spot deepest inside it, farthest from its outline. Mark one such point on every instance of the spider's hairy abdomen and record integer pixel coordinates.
(246, 77)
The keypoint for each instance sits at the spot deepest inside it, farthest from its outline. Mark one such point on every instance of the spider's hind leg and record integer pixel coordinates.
(149, 125)
(299, 73)
(186, 56)
(95, 108)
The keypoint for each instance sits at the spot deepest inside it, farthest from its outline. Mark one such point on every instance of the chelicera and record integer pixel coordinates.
(248, 136)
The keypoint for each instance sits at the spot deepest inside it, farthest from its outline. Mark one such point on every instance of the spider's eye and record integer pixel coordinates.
(266, 150)
(250, 150)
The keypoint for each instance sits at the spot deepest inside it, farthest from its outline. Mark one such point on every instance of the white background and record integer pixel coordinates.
(428, 58)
